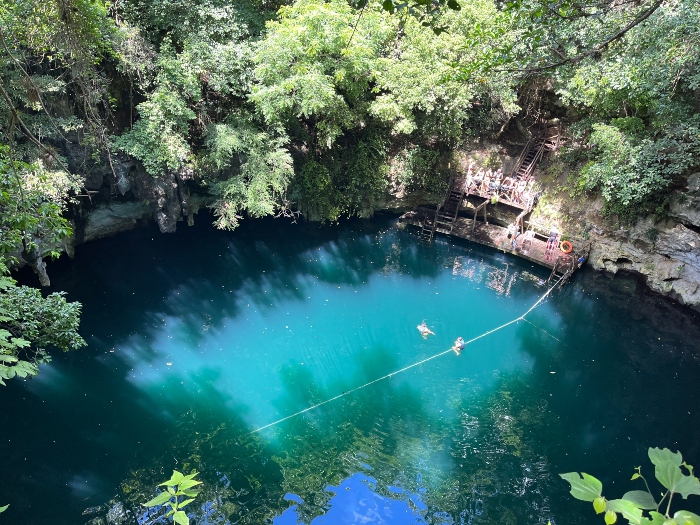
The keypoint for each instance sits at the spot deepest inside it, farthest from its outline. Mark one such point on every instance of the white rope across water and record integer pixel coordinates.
(521, 318)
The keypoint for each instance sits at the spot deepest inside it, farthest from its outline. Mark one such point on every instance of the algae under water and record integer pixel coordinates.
(199, 338)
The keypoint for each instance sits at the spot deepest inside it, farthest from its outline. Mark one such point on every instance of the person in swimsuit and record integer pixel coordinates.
(424, 330)
(459, 345)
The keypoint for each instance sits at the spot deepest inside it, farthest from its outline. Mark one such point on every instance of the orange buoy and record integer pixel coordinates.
(566, 247)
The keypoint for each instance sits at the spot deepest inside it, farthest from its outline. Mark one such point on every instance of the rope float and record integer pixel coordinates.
(387, 376)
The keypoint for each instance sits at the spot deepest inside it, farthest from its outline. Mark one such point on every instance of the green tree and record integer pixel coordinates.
(421, 85)
(254, 169)
(315, 66)
(31, 223)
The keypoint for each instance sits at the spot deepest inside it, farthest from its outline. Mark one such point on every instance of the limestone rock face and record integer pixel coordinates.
(167, 195)
(666, 254)
(110, 219)
(685, 206)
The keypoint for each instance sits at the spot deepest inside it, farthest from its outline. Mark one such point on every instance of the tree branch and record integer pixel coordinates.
(29, 78)
(597, 49)
(25, 129)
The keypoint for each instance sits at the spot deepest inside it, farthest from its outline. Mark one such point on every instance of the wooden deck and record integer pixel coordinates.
(530, 246)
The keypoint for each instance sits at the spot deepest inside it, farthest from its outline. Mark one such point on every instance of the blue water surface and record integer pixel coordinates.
(284, 364)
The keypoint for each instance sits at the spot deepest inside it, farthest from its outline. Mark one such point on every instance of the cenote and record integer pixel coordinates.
(198, 339)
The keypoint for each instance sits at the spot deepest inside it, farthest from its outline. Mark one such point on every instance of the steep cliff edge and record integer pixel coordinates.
(665, 252)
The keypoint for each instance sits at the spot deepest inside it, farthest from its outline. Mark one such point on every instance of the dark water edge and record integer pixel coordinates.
(626, 358)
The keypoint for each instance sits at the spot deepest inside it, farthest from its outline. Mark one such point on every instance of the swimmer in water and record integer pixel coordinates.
(424, 330)
(459, 345)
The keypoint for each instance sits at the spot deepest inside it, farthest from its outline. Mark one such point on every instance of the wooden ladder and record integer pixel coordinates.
(549, 250)
(563, 267)
(427, 230)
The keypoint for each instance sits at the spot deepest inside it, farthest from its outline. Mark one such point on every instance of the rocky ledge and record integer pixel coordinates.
(666, 253)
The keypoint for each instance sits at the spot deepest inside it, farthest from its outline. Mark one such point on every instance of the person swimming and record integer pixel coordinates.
(424, 330)
(459, 345)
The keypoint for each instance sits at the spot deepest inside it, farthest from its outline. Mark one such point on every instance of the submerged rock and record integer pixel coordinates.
(118, 514)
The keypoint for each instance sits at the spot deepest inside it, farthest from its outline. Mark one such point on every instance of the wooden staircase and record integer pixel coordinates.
(446, 215)
(545, 140)
(446, 212)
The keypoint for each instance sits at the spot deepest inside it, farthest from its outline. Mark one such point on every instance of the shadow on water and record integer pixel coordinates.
(490, 457)
(198, 277)
(612, 362)
(249, 476)
(129, 286)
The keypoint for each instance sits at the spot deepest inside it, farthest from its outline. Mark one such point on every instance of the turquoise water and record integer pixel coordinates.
(199, 339)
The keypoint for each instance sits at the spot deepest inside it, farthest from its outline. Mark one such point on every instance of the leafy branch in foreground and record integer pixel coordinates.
(178, 486)
(668, 469)
(31, 324)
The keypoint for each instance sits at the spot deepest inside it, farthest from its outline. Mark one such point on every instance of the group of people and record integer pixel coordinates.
(458, 345)
(488, 183)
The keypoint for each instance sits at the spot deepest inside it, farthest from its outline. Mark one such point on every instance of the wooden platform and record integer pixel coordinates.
(503, 198)
(529, 245)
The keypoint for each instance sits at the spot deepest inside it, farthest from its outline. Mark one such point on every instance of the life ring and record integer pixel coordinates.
(566, 246)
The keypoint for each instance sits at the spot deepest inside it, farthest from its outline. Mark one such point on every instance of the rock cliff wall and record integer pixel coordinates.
(666, 253)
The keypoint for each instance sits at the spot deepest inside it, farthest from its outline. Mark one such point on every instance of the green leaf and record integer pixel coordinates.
(584, 486)
(636, 475)
(670, 476)
(610, 517)
(175, 479)
(663, 455)
(158, 500)
(684, 517)
(599, 504)
(688, 485)
(656, 519)
(186, 502)
(641, 498)
(181, 518)
(3, 509)
(189, 483)
(627, 508)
